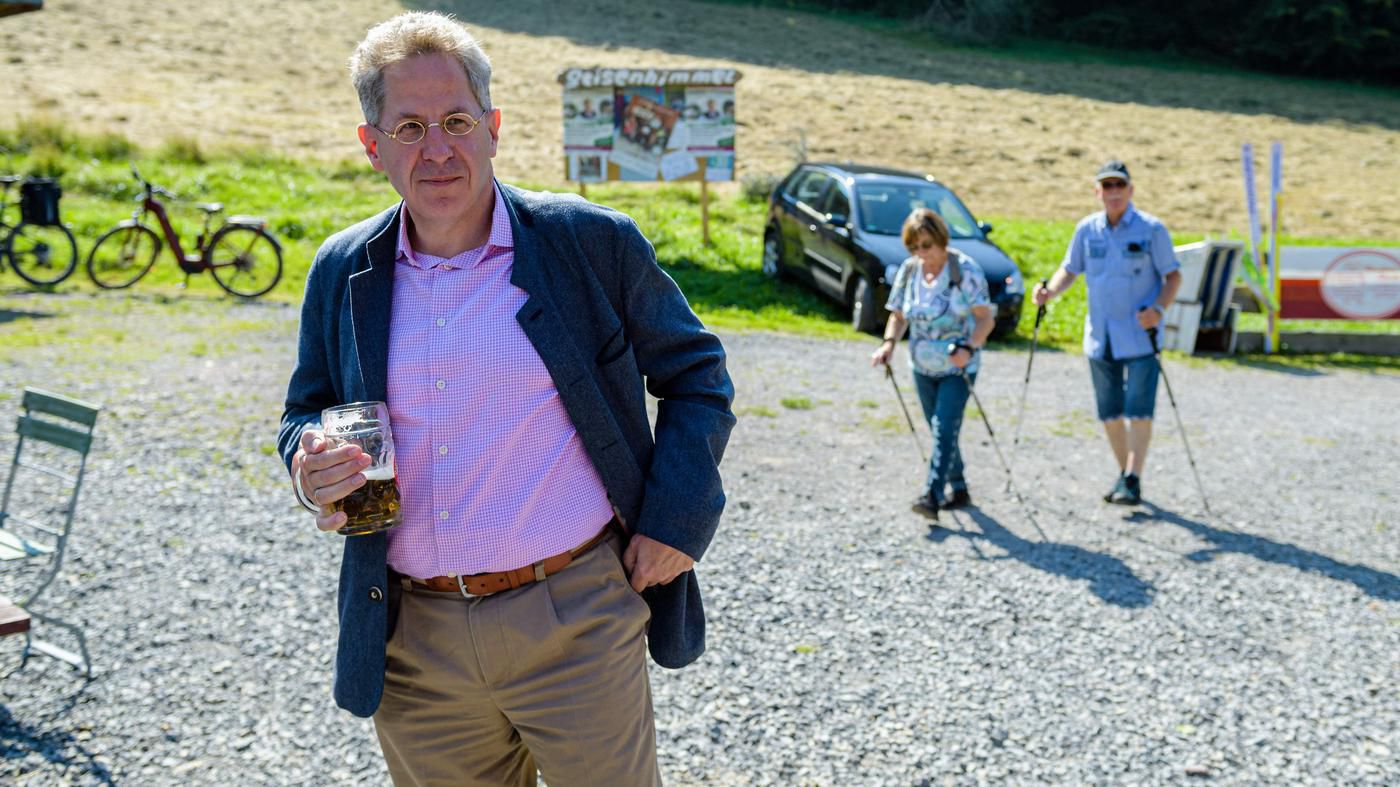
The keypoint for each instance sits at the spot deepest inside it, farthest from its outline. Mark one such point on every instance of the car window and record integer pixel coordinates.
(811, 189)
(838, 204)
(885, 206)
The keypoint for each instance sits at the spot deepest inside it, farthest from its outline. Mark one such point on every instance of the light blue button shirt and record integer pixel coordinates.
(1123, 266)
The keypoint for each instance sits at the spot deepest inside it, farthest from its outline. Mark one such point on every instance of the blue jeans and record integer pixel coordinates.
(944, 399)
(1125, 388)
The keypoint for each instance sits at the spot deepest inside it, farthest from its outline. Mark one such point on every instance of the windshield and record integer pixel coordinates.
(885, 206)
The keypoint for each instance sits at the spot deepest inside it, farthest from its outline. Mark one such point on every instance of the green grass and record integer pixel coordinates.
(305, 202)
(1303, 362)
(890, 423)
(759, 410)
(796, 403)
(1258, 322)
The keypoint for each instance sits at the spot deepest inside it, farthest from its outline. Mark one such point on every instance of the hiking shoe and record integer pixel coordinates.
(926, 505)
(1130, 494)
(960, 499)
(1118, 488)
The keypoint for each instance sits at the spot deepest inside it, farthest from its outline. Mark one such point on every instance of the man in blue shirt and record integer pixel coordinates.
(1127, 260)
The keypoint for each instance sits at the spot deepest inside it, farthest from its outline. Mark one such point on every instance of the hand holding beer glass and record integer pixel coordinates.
(354, 441)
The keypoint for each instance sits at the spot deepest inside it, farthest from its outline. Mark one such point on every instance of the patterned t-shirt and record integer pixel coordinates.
(938, 314)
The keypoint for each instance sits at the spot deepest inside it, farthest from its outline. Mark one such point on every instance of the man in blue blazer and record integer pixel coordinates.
(483, 677)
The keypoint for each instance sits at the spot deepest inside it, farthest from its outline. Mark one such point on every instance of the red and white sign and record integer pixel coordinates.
(1363, 285)
(1346, 284)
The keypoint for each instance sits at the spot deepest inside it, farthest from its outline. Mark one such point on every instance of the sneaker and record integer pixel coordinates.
(926, 505)
(1118, 488)
(960, 499)
(1131, 493)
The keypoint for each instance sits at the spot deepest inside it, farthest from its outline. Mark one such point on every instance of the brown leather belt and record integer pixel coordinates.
(471, 585)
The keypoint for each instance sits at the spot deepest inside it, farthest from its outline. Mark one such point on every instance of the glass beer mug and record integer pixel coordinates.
(374, 507)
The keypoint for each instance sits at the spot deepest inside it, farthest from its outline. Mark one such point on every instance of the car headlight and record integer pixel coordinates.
(1015, 285)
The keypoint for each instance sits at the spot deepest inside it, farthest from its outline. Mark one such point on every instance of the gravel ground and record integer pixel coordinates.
(1064, 642)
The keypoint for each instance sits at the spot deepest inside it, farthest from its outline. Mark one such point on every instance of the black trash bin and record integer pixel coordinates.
(38, 201)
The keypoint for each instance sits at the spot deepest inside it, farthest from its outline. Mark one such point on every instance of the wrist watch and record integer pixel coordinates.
(1162, 310)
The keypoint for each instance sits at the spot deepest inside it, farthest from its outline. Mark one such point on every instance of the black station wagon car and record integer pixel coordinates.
(837, 228)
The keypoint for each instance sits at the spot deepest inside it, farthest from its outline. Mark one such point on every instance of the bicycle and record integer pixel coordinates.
(40, 249)
(240, 254)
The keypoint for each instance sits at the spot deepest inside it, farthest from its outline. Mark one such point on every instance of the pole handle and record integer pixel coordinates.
(1040, 308)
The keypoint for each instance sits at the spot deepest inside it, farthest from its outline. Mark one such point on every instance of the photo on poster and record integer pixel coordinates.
(678, 164)
(709, 114)
(719, 167)
(645, 129)
(588, 119)
(588, 167)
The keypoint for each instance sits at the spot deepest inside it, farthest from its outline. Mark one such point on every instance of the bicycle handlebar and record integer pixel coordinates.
(150, 187)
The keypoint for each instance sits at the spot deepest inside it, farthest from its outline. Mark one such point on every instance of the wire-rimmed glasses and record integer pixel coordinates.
(410, 132)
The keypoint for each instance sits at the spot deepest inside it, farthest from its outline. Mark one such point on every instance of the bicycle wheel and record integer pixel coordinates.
(246, 261)
(122, 256)
(42, 255)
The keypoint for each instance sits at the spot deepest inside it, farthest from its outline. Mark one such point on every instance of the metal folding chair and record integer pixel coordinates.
(66, 425)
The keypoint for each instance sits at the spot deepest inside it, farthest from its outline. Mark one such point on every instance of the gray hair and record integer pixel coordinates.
(409, 34)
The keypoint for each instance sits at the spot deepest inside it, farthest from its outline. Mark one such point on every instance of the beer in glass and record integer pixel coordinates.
(374, 507)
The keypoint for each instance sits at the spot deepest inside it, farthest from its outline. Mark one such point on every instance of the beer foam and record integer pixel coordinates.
(379, 474)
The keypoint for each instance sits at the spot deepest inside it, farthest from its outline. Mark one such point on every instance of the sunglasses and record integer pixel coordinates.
(1110, 185)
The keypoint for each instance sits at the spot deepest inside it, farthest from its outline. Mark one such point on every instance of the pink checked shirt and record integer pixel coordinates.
(492, 473)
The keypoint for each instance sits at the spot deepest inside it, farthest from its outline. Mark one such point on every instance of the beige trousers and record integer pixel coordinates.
(550, 676)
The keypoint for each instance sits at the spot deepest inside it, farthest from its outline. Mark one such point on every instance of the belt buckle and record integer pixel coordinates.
(462, 586)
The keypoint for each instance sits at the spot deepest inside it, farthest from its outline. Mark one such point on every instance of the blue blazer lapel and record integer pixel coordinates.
(371, 299)
(528, 271)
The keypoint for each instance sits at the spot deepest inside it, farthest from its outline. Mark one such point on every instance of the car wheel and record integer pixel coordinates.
(1006, 322)
(865, 312)
(773, 256)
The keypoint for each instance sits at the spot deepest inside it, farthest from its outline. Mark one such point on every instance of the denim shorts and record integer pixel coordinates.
(1117, 397)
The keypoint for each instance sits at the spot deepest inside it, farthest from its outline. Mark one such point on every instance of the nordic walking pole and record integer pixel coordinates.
(1026, 386)
(992, 434)
(912, 431)
(1157, 353)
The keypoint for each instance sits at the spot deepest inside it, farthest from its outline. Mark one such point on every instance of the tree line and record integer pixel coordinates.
(1343, 39)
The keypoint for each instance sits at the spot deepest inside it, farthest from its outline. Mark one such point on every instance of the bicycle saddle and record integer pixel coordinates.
(210, 207)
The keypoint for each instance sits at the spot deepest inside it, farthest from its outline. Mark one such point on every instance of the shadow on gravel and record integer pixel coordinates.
(1109, 578)
(1264, 363)
(1377, 584)
(10, 315)
(1314, 364)
(19, 739)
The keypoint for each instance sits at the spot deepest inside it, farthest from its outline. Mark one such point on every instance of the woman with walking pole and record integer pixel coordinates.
(941, 296)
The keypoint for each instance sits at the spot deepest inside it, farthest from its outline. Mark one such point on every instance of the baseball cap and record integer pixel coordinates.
(1113, 168)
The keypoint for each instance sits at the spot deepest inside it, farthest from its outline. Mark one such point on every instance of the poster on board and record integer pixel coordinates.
(649, 124)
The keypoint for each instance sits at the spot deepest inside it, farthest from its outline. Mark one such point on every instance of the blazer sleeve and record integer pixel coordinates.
(684, 368)
(312, 386)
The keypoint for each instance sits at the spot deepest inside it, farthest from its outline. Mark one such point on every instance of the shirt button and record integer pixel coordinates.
(441, 322)
(441, 384)
(443, 515)
(442, 449)
(375, 594)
